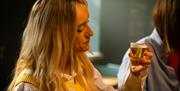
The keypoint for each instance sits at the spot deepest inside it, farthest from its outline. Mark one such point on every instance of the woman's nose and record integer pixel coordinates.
(89, 32)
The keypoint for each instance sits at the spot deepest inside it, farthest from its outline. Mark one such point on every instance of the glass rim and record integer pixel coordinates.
(138, 45)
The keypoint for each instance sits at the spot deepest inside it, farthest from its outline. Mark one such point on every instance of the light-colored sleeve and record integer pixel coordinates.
(100, 84)
(25, 87)
(128, 81)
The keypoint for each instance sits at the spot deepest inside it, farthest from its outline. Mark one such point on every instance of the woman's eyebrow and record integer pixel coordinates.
(84, 23)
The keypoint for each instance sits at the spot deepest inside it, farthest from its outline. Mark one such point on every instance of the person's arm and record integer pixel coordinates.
(127, 80)
(25, 87)
(135, 82)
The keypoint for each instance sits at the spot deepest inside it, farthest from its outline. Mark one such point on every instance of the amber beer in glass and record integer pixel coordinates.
(137, 51)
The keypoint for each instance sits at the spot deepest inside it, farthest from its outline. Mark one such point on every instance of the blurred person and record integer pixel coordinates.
(163, 72)
(52, 57)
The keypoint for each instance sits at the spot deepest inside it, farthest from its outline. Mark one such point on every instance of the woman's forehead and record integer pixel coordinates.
(82, 13)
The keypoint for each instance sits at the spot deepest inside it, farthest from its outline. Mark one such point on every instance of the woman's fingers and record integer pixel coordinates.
(137, 68)
(140, 61)
(148, 54)
(145, 60)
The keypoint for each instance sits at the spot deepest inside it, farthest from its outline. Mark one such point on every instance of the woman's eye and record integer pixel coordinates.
(81, 28)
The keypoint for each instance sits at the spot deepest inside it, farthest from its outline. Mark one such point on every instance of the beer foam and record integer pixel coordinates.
(137, 45)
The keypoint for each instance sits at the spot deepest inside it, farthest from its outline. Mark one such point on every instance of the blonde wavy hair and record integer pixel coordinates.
(48, 47)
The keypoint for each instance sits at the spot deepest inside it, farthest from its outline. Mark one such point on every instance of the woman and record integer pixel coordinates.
(52, 48)
(52, 56)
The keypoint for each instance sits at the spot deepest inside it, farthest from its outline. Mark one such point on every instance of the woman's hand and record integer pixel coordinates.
(139, 64)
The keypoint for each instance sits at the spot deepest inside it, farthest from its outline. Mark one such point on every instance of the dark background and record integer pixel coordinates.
(14, 15)
(122, 22)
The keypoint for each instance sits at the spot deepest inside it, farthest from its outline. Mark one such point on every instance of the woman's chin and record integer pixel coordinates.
(84, 48)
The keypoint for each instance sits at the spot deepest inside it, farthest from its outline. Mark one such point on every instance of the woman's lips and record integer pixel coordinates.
(86, 42)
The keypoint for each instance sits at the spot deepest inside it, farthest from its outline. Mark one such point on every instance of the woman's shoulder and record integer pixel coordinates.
(26, 80)
(25, 87)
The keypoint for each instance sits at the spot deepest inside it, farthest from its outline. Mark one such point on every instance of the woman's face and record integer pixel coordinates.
(84, 31)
